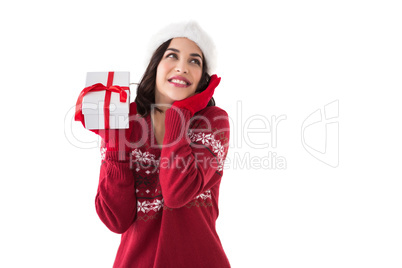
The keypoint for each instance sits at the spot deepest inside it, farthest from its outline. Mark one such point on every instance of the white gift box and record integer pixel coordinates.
(93, 102)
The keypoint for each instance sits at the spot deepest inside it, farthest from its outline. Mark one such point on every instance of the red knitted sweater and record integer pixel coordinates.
(164, 202)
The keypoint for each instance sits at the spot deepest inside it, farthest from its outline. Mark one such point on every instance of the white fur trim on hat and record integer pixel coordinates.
(192, 31)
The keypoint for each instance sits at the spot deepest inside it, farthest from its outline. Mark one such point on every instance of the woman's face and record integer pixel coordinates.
(179, 71)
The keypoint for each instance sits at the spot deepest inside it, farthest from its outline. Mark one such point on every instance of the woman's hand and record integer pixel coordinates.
(200, 100)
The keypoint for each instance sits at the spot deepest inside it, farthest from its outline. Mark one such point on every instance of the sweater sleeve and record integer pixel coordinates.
(192, 159)
(116, 200)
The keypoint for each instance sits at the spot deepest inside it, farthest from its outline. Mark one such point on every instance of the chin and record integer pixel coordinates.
(179, 97)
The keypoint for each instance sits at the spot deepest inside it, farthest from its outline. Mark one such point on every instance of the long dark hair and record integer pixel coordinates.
(146, 88)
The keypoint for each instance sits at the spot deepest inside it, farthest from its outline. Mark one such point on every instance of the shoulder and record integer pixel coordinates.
(212, 112)
(212, 115)
(133, 108)
(211, 119)
(136, 121)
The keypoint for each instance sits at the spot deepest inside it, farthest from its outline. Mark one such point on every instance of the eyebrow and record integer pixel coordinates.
(178, 51)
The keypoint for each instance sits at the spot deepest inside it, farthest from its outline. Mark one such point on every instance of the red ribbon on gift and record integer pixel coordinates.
(100, 87)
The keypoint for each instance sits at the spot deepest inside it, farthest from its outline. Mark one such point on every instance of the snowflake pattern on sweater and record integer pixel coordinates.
(150, 200)
(214, 144)
(148, 187)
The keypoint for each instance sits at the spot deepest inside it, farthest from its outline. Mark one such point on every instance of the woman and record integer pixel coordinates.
(159, 180)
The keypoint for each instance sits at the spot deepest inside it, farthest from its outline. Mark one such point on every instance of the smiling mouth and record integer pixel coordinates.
(179, 82)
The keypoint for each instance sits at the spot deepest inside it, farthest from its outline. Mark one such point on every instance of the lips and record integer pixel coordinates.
(179, 81)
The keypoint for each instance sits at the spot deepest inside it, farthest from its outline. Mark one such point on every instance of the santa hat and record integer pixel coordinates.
(192, 31)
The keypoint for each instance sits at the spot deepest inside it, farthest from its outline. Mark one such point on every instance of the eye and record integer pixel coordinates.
(196, 61)
(171, 55)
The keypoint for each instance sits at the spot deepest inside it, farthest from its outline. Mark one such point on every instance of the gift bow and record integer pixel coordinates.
(100, 87)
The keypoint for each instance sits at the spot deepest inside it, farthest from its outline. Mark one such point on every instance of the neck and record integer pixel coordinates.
(158, 125)
(162, 107)
(158, 118)
(162, 102)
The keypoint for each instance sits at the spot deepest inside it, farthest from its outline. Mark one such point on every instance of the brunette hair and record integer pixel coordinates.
(146, 88)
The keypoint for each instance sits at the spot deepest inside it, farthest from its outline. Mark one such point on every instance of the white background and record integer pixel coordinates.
(275, 58)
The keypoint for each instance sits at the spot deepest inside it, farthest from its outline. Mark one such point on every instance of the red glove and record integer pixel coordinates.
(200, 100)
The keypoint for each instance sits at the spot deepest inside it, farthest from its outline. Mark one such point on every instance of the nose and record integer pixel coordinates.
(181, 67)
